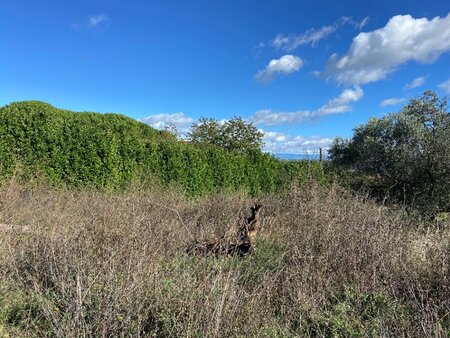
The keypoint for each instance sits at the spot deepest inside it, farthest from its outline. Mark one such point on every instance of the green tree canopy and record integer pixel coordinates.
(234, 135)
(408, 152)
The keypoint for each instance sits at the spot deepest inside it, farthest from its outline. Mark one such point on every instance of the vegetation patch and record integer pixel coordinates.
(404, 156)
(110, 151)
(355, 314)
(327, 263)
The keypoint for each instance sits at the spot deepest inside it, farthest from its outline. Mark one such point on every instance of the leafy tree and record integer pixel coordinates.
(208, 130)
(234, 135)
(240, 135)
(407, 153)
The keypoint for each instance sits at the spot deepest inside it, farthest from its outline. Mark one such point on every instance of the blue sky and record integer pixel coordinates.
(302, 71)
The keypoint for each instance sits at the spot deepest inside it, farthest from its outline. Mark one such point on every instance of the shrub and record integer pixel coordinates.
(406, 154)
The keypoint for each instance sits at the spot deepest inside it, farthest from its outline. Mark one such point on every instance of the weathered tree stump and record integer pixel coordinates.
(239, 240)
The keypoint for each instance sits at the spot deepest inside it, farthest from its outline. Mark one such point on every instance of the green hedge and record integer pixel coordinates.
(111, 151)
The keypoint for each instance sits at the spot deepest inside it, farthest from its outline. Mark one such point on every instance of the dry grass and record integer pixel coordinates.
(327, 264)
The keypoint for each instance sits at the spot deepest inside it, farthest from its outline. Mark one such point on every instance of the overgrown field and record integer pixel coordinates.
(327, 264)
(111, 151)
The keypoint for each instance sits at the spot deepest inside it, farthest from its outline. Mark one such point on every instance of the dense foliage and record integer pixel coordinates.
(112, 151)
(233, 135)
(406, 154)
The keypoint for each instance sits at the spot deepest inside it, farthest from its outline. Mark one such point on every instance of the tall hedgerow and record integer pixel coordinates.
(111, 151)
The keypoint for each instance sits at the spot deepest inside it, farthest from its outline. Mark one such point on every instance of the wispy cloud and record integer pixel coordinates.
(312, 36)
(285, 65)
(92, 22)
(393, 101)
(96, 20)
(162, 121)
(357, 24)
(260, 45)
(445, 86)
(372, 56)
(364, 22)
(417, 82)
(337, 105)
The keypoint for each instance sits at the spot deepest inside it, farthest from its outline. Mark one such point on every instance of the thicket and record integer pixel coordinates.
(404, 156)
(328, 263)
(112, 151)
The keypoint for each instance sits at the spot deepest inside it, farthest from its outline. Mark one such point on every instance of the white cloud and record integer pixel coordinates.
(96, 20)
(363, 22)
(273, 136)
(417, 82)
(162, 121)
(349, 20)
(445, 86)
(275, 142)
(313, 36)
(334, 106)
(287, 64)
(92, 22)
(393, 101)
(374, 55)
(340, 103)
(269, 117)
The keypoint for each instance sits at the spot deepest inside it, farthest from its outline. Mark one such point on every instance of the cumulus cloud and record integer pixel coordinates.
(417, 82)
(312, 36)
(393, 101)
(273, 136)
(285, 65)
(337, 105)
(162, 121)
(340, 103)
(445, 86)
(275, 142)
(374, 55)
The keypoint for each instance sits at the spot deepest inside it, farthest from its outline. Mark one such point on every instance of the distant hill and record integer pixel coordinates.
(111, 151)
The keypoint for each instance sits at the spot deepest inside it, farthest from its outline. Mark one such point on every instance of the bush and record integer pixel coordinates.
(406, 154)
(20, 312)
(354, 314)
